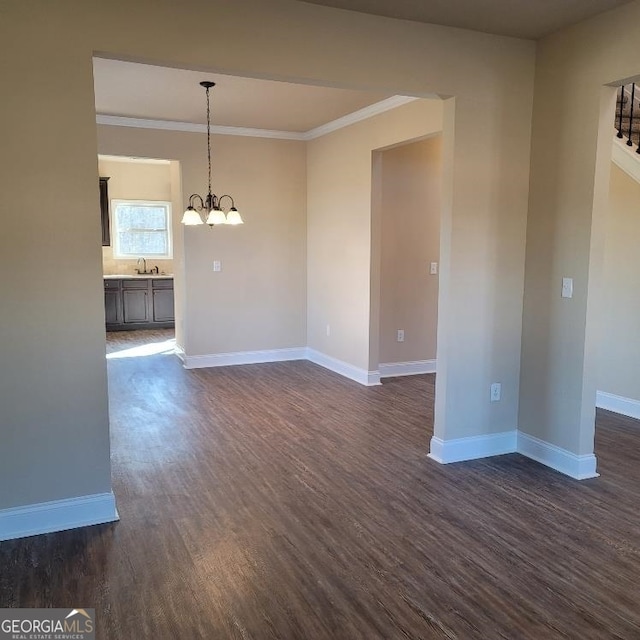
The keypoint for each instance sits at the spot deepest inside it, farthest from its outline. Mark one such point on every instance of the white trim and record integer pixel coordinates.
(57, 515)
(473, 447)
(367, 378)
(190, 127)
(626, 158)
(618, 404)
(357, 116)
(242, 357)
(179, 351)
(575, 466)
(394, 369)
(495, 444)
(133, 159)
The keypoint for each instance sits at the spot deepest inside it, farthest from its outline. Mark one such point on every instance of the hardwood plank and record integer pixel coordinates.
(283, 501)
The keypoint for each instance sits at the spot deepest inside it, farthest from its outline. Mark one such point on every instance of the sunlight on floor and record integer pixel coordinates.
(166, 347)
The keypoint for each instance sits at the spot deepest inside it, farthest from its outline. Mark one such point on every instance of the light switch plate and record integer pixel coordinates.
(567, 287)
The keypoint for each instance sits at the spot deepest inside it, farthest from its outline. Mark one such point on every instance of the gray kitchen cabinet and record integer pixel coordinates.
(135, 305)
(112, 303)
(112, 307)
(163, 305)
(138, 303)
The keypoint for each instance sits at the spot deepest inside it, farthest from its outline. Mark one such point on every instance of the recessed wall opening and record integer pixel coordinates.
(295, 280)
(141, 203)
(409, 202)
(618, 340)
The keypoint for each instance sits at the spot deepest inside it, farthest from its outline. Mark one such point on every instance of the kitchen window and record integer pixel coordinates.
(141, 229)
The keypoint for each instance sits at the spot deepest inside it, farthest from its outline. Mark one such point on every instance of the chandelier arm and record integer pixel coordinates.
(192, 200)
(226, 195)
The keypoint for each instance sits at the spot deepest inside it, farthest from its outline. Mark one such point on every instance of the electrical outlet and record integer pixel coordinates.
(400, 335)
(496, 392)
(217, 265)
(328, 330)
(433, 269)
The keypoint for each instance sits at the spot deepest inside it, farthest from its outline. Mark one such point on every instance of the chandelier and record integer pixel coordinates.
(211, 205)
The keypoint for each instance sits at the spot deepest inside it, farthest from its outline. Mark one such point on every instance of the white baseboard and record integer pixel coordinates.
(473, 447)
(179, 351)
(242, 357)
(618, 404)
(367, 378)
(58, 515)
(575, 466)
(394, 369)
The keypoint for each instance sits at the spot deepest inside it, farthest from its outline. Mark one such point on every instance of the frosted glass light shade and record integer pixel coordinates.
(234, 217)
(191, 217)
(215, 217)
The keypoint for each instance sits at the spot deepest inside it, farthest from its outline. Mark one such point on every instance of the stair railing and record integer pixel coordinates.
(632, 116)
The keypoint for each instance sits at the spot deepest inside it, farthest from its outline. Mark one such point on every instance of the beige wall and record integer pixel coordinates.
(137, 181)
(619, 344)
(258, 300)
(339, 209)
(570, 163)
(410, 241)
(54, 402)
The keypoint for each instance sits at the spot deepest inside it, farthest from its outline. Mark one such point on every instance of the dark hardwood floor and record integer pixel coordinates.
(283, 501)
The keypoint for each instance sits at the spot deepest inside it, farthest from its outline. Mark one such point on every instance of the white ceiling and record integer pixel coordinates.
(519, 18)
(145, 91)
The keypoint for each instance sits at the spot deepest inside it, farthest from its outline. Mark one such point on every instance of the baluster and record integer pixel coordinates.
(633, 95)
(621, 107)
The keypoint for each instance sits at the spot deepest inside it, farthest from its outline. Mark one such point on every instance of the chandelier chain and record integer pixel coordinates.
(209, 139)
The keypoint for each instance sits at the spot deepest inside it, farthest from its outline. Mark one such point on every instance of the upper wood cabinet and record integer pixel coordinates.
(104, 212)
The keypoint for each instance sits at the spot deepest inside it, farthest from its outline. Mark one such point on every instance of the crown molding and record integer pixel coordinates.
(329, 127)
(358, 116)
(132, 159)
(190, 127)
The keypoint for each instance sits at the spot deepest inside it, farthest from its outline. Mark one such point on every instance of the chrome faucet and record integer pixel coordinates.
(144, 265)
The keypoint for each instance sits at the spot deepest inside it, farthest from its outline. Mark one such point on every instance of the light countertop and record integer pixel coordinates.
(142, 276)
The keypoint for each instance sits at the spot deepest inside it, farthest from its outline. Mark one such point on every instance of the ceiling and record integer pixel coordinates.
(531, 19)
(150, 92)
(159, 93)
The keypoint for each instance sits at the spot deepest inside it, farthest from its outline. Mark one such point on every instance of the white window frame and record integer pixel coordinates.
(115, 230)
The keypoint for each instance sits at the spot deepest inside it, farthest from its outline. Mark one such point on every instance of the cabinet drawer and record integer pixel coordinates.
(137, 283)
(162, 283)
(112, 284)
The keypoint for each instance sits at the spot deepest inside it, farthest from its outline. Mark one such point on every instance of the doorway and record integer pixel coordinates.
(140, 199)
(408, 196)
